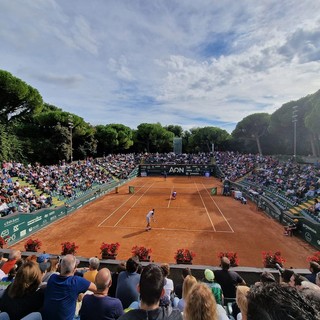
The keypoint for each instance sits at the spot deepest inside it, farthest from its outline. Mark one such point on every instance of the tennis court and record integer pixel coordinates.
(196, 219)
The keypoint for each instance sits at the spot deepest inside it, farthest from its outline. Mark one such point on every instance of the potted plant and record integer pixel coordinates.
(2, 242)
(184, 256)
(232, 256)
(109, 250)
(68, 248)
(32, 245)
(270, 259)
(142, 253)
(315, 257)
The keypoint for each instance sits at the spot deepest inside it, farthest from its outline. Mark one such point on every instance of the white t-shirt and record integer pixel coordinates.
(168, 287)
(150, 214)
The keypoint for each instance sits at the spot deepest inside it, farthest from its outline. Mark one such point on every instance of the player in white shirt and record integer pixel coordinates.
(149, 216)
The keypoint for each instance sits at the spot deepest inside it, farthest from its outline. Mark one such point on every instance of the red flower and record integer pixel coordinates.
(270, 258)
(315, 257)
(141, 252)
(110, 249)
(232, 256)
(68, 248)
(32, 245)
(184, 255)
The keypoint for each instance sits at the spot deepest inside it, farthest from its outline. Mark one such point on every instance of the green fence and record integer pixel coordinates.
(15, 227)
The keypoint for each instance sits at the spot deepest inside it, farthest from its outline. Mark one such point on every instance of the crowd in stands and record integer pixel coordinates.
(173, 158)
(297, 182)
(32, 187)
(41, 287)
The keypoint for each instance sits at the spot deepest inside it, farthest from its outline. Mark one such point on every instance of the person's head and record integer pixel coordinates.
(314, 267)
(151, 284)
(68, 264)
(188, 282)
(103, 280)
(286, 275)
(165, 269)
(186, 272)
(27, 280)
(296, 280)
(200, 304)
(44, 257)
(208, 275)
(267, 277)
(94, 263)
(15, 254)
(33, 257)
(241, 299)
(54, 262)
(132, 264)
(274, 301)
(225, 263)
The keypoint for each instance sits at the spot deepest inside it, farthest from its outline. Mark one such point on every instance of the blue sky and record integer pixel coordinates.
(191, 63)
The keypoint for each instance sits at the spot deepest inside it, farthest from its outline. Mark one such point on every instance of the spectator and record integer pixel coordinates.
(266, 277)
(214, 287)
(52, 269)
(200, 304)
(100, 306)
(285, 275)
(228, 279)
(168, 287)
(62, 291)
(151, 288)
(242, 302)
(275, 301)
(14, 256)
(178, 288)
(23, 296)
(94, 264)
(314, 268)
(127, 283)
(188, 282)
(112, 290)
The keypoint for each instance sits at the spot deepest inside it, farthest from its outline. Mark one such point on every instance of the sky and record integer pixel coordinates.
(182, 62)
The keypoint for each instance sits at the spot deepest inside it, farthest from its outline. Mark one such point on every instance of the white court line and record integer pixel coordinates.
(218, 208)
(110, 215)
(170, 197)
(205, 207)
(171, 229)
(132, 206)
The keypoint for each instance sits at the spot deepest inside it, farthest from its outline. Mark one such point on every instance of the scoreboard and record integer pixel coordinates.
(176, 170)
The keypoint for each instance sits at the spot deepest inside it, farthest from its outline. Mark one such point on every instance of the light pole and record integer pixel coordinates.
(70, 122)
(294, 120)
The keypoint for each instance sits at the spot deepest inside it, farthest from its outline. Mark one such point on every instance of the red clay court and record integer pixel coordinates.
(197, 220)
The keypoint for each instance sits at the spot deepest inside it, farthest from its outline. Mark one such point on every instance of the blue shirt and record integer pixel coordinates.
(61, 296)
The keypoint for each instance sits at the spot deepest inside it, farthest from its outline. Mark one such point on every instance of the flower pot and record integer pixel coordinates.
(108, 256)
(183, 262)
(144, 259)
(31, 248)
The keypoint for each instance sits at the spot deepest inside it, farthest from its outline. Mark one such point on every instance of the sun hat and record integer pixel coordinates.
(209, 275)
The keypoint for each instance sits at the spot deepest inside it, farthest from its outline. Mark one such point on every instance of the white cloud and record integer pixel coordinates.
(174, 62)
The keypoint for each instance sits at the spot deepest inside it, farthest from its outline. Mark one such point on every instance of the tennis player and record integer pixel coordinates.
(174, 195)
(149, 216)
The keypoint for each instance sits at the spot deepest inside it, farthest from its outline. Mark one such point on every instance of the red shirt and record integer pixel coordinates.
(8, 266)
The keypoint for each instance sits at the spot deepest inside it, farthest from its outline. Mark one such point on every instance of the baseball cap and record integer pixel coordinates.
(43, 257)
(209, 275)
(44, 266)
